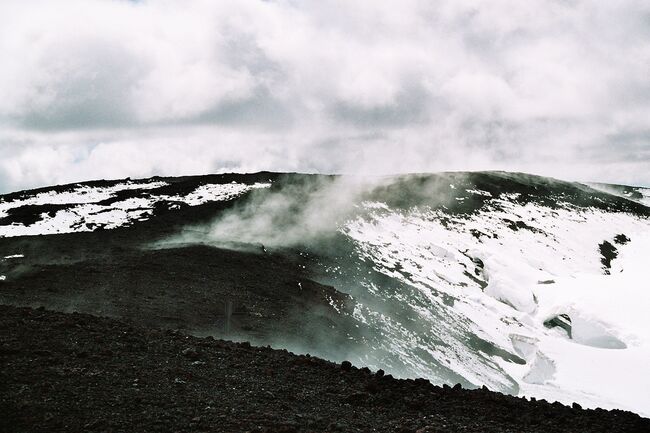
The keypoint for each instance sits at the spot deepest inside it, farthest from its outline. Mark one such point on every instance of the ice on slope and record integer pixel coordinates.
(533, 274)
(606, 361)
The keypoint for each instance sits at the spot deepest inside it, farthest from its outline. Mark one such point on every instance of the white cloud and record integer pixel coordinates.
(100, 88)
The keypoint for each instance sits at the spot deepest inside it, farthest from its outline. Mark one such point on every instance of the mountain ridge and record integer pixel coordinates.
(414, 274)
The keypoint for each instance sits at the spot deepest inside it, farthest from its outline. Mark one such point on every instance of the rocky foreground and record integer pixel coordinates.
(75, 372)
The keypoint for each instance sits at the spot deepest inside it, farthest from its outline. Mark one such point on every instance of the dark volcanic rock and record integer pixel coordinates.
(196, 288)
(147, 386)
(608, 253)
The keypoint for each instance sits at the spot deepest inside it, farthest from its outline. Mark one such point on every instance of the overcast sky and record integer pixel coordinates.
(105, 89)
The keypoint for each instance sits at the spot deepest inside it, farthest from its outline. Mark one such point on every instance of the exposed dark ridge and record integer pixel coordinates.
(73, 372)
(629, 191)
(261, 176)
(447, 191)
(16, 195)
(553, 192)
(30, 214)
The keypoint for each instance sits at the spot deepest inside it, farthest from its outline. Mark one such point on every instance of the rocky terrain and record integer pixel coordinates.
(498, 281)
(75, 372)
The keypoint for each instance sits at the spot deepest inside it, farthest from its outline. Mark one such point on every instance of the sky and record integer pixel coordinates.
(95, 89)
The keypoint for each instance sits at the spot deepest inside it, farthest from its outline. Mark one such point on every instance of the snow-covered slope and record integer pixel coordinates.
(508, 274)
(86, 208)
(524, 284)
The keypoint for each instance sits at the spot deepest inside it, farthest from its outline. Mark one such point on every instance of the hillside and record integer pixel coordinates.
(526, 285)
(73, 372)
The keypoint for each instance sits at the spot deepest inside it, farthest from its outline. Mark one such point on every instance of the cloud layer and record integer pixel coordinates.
(93, 88)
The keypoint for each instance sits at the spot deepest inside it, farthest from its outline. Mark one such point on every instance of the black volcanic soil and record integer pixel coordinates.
(186, 288)
(73, 372)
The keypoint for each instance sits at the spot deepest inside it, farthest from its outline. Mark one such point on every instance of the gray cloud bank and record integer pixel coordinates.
(103, 89)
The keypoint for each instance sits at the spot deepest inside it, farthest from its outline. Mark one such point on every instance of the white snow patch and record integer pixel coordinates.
(85, 215)
(542, 370)
(479, 192)
(603, 364)
(510, 292)
(216, 192)
(14, 256)
(80, 194)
